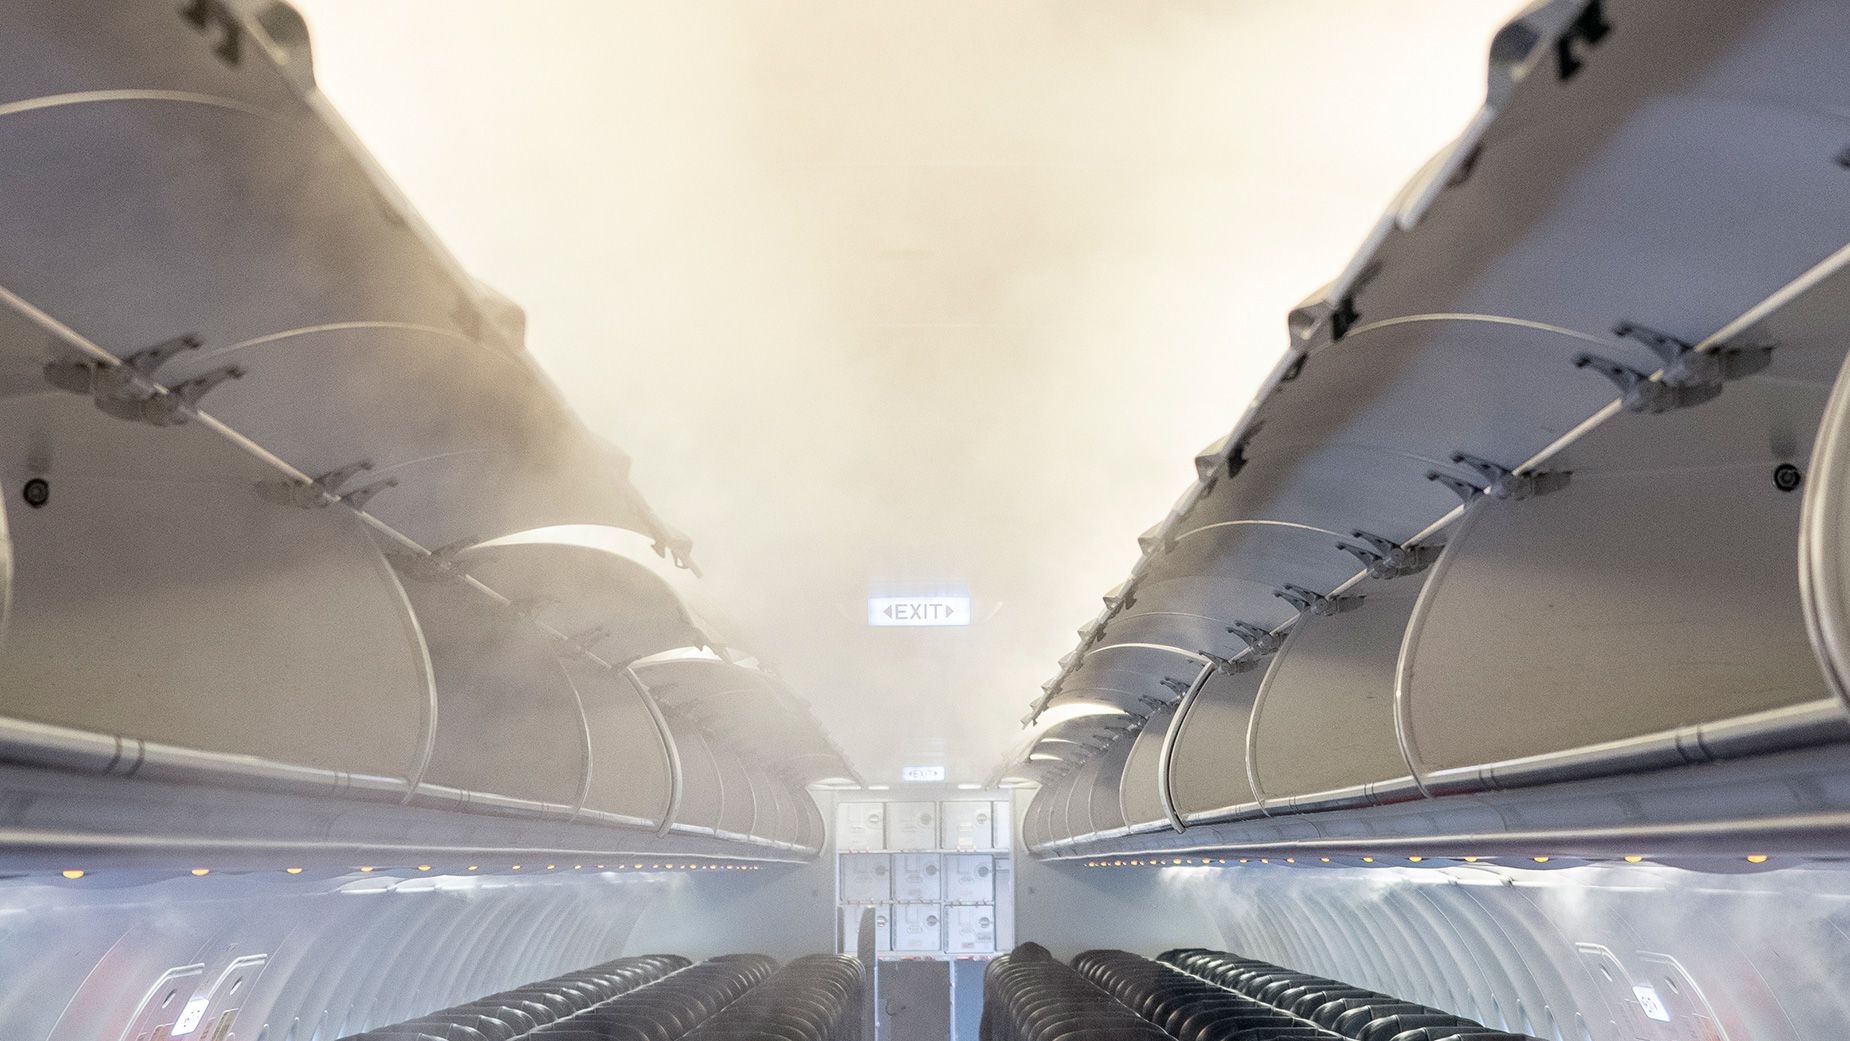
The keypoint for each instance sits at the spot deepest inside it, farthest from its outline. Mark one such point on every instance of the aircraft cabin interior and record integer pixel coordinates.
(924, 520)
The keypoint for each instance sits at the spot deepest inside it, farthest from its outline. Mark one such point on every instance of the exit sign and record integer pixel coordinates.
(921, 773)
(918, 610)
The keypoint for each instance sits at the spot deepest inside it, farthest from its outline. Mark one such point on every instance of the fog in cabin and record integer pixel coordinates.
(902, 298)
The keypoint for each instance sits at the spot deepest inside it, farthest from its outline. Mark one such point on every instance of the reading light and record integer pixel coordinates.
(292, 870)
(73, 873)
(202, 871)
(1633, 858)
(1756, 858)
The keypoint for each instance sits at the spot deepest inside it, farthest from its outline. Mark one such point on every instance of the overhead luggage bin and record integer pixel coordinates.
(401, 353)
(1138, 794)
(1075, 817)
(1561, 362)
(1322, 734)
(697, 812)
(1105, 802)
(136, 590)
(738, 810)
(1636, 618)
(632, 763)
(510, 728)
(1206, 772)
(601, 601)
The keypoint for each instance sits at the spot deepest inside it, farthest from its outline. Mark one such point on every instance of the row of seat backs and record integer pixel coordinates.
(814, 998)
(523, 1011)
(1189, 1008)
(667, 1011)
(1322, 1006)
(1029, 996)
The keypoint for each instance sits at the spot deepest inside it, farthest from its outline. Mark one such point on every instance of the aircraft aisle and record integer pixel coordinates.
(1486, 682)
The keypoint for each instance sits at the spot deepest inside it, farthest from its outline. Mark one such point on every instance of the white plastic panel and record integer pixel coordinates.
(918, 927)
(1323, 723)
(970, 929)
(918, 877)
(860, 825)
(965, 824)
(911, 825)
(866, 878)
(1207, 768)
(851, 927)
(969, 878)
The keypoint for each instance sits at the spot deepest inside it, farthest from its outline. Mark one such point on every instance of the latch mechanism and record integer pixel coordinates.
(438, 565)
(1316, 603)
(1263, 641)
(1689, 377)
(127, 390)
(1500, 481)
(315, 492)
(1385, 558)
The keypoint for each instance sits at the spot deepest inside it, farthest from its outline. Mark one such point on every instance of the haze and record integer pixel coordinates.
(906, 297)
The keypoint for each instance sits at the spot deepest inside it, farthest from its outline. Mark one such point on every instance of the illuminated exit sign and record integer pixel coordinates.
(921, 773)
(918, 610)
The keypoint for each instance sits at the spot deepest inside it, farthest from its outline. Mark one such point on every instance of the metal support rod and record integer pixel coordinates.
(1163, 775)
(668, 748)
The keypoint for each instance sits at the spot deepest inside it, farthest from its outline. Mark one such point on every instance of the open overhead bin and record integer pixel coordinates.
(290, 514)
(1579, 385)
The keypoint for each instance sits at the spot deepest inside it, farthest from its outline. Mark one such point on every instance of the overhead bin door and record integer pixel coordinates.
(629, 762)
(1207, 764)
(783, 805)
(157, 595)
(1322, 732)
(738, 802)
(1078, 814)
(508, 720)
(1106, 806)
(700, 794)
(1654, 595)
(1143, 809)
